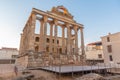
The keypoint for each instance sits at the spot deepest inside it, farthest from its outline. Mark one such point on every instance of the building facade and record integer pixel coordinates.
(94, 52)
(8, 55)
(51, 47)
(111, 48)
(48, 46)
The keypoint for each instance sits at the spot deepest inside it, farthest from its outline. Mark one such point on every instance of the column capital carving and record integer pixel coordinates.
(51, 23)
(81, 28)
(55, 21)
(76, 28)
(33, 13)
(45, 18)
(63, 27)
(67, 24)
(33, 16)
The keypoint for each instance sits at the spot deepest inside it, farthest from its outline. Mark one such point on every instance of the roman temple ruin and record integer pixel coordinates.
(43, 49)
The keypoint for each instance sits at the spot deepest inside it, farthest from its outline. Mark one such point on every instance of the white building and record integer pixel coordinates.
(8, 55)
(94, 52)
(111, 48)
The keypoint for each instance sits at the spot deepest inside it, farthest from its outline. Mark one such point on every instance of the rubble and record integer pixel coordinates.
(91, 76)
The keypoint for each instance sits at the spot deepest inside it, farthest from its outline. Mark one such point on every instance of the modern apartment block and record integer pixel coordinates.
(94, 52)
(8, 55)
(111, 48)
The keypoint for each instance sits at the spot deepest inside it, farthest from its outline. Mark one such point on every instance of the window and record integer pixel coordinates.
(73, 50)
(108, 39)
(99, 55)
(36, 48)
(37, 39)
(48, 40)
(12, 61)
(53, 40)
(109, 48)
(47, 49)
(14, 56)
(57, 41)
(52, 49)
(60, 50)
(110, 58)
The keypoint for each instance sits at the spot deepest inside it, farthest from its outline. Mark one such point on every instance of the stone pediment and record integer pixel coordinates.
(61, 11)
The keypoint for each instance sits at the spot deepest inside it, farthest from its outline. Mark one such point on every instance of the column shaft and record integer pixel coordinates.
(32, 32)
(41, 28)
(55, 37)
(45, 31)
(63, 40)
(82, 42)
(51, 37)
(76, 41)
(41, 42)
(68, 40)
(21, 44)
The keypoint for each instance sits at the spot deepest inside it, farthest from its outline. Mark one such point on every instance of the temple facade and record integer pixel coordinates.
(43, 49)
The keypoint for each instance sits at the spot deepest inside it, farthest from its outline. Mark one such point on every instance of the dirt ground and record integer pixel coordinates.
(7, 73)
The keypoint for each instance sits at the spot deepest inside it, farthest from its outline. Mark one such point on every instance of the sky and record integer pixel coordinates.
(99, 17)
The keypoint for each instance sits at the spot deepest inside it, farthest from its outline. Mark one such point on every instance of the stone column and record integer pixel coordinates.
(32, 32)
(63, 40)
(68, 39)
(51, 36)
(41, 42)
(76, 40)
(45, 31)
(55, 37)
(21, 44)
(82, 42)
